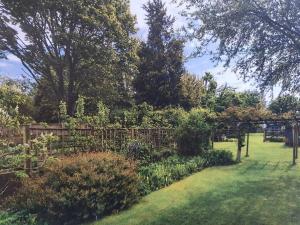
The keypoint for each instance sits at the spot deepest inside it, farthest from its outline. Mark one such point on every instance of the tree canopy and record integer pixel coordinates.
(261, 37)
(285, 104)
(72, 46)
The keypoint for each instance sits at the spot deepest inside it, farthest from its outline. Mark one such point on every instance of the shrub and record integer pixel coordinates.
(162, 153)
(164, 173)
(276, 139)
(144, 154)
(19, 218)
(81, 187)
(193, 135)
(139, 151)
(219, 158)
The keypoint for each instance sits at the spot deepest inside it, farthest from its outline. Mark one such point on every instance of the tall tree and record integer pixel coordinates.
(284, 104)
(72, 45)
(261, 37)
(251, 99)
(162, 61)
(210, 85)
(191, 91)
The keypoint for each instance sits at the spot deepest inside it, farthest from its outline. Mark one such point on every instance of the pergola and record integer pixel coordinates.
(241, 127)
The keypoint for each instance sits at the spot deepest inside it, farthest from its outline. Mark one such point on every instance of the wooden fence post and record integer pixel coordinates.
(26, 141)
(294, 143)
(297, 140)
(247, 147)
(212, 139)
(159, 138)
(239, 149)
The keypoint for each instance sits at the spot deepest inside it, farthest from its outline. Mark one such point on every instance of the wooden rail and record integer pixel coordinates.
(84, 139)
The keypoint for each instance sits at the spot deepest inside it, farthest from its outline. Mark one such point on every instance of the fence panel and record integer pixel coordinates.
(83, 139)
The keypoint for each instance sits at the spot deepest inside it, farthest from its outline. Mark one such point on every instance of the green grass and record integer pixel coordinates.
(263, 189)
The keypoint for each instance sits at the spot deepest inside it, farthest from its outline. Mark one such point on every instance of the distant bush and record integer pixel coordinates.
(276, 139)
(20, 218)
(79, 188)
(139, 151)
(144, 154)
(166, 172)
(193, 135)
(219, 158)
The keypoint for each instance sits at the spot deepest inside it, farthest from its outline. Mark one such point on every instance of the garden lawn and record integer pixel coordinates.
(264, 189)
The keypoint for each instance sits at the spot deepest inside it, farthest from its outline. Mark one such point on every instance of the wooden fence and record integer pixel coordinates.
(84, 139)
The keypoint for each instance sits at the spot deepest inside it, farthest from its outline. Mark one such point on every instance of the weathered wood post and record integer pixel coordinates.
(297, 139)
(239, 149)
(212, 139)
(294, 142)
(26, 141)
(247, 146)
(159, 138)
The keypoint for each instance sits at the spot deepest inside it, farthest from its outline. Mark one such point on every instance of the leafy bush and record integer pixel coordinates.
(162, 174)
(79, 188)
(276, 139)
(193, 135)
(219, 158)
(139, 151)
(20, 218)
(144, 154)
(161, 154)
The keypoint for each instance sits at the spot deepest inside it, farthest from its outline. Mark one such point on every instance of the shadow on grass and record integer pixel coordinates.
(252, 202)
(266, 166)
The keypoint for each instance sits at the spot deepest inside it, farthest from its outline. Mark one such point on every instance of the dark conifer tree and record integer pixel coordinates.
(162, 61)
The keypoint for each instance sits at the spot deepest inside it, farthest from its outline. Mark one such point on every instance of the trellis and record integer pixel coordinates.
(238, 129)
(90, 139)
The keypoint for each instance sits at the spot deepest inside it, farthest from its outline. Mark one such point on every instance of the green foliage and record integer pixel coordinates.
(102, 117)
(233, 114)
(192, 90)
(229, 97)
(144, 115)
(141, 152)
(162, 60)
(168, 117)
(166, 172)
(12, 156)
(15, 102)
(81, 187)
(285, 104)
(193, 135)
(210, 85)
(85, 49)
(144, 154)
(256, 36)
(20, 218)
(63, 114)
(79, 114)
(219, 158)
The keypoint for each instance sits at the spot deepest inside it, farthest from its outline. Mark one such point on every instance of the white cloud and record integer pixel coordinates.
(13, 58)
(228, 76)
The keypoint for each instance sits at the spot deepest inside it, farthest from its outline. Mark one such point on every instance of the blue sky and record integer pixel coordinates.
(198, 66)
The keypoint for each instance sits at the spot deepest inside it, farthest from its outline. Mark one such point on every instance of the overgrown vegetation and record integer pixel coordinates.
(78, 188)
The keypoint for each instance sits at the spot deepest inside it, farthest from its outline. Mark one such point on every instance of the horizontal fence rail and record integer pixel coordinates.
(82, 139)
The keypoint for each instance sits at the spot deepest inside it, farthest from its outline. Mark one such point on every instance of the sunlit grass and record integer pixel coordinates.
(263, 189)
